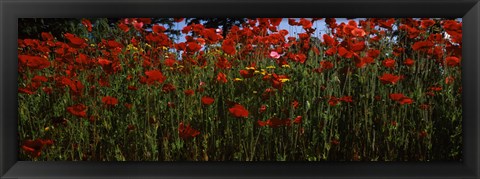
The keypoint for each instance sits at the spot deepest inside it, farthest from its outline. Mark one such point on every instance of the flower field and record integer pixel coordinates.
(270, 89)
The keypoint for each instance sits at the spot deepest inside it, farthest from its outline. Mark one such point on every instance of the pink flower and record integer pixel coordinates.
(274, 54)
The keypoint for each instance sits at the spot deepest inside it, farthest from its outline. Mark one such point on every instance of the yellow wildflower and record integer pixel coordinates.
(237, 79)
(271, 67)
(283, 80)
(286, 66)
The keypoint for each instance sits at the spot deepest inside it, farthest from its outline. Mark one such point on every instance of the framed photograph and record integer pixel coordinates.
(239, 89)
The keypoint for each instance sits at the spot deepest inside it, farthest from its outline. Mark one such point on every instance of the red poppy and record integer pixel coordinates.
(358, 32)
(87, 24)
(388, 78)
(47, 36)
(406, 100)
(170, 62)
(333, 101)
(222, 78)
(34, 147)
(300, 58)
(247, 73)
(449, 80)
(326, 65)
(262, 109)
(207, 100)
(427, 23)
(34, 62)
(110, 101)
(128, 105)
(298, 120)
(389, 63)
(189, 92)
(186, 132)
(452, 61)
(396, 96)
(75, 42)
(409, 62)
(79, 110)
(262, 123)
(76, 87)
(422, 45)
(124, 27)
(228, 46)
(295, 104)
(223, 63)
(132, 88)
(158, 29)
(154, 76)
(346, 99)
(238, 111)
(167, 88)
(329, 41)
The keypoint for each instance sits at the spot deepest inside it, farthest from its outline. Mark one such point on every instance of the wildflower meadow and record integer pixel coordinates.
(265, 89)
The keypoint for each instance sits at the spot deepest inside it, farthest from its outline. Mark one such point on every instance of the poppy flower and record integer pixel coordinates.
(75, 42)
(422, 45)
(449, 80)
(427, 23)
(298, 120)
(207, 100)
(189, 92)
(223, 63)
(138, 25)
(374, 53)
(76, 87)
(34, 62)
(158, 29)
(295, 104)
(170, 62)
(124, 27)
(406, 100)
(326, 65)
(262, 109)
(34, 147)
(78, 110)
(222, 78)
(262, 123)
(277, 122)
(187, 132)
(167, 88)
(346, 99)
(389, 63)
(409, 62)
(452, 61)
(247, 73)
(274, 54)
(87, 24)
(110, 101)
(154, 76)
(47, 36)
(239, 111)
(396, 96)
(333, 101)
(358, 32)
(228, 46)
(388, 78)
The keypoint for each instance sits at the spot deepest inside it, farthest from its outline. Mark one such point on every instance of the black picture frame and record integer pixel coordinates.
(11, 10)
